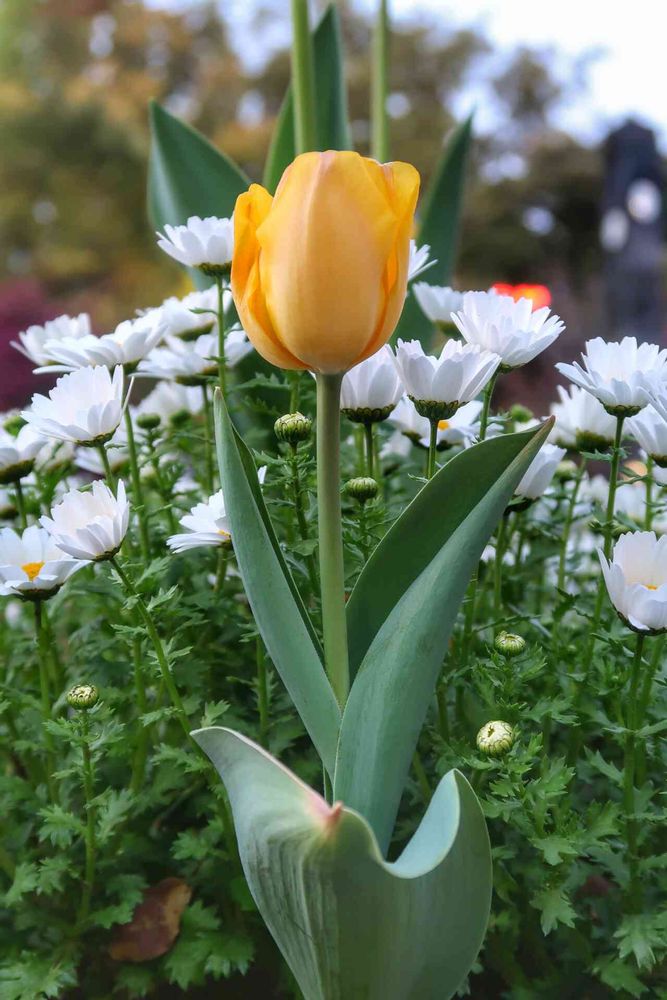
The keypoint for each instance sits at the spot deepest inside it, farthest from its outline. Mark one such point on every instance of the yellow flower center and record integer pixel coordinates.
(32, 569)
(443, 425)
(649, 586)
(225, 534)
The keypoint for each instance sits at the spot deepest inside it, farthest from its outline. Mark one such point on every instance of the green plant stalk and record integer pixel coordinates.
(486, 406)
(208, 439)
(432, 442)
(106, 465)
(20, 504)
(89, 834)
(645, 701)
(613, 485)
(380, 85)
(139, 503)
(648, 482)
(629, 770)
(221, 334)
(567, 525)
(141, 752)
(501, 538)
(332, 571)
(262, 691)
(294, 391)
(301, 514)
(303, 79)
(369, 449)
(221, 571)
(45, 694)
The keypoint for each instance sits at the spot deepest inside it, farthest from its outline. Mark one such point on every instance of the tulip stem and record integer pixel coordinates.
(144, 540)
(629, 775)
(221, 334)
(332, 571)
(379, 86)
(432, 442)
(303, 79)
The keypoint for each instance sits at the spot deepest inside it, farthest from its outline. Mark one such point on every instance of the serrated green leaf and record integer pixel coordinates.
(348, 923)
(555, 908)
(619, 976)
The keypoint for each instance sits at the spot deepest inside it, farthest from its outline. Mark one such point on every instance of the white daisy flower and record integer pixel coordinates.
(438, 302)
(370, 390)
(90, 524)
(460, 429)
(32, 566)
(117, 454)
(649, 429)
(581, 421)
(169, 399)
(179, 319)
(84, 407)
(207, 523)
(636, 580)
(419, 260)
(540, 472)
(31, 341)
(191, 362)
(131, 341)
(405, 419)
(204, 243)
(18, 453)
(508, 328)
(459, 373)
(624, 376)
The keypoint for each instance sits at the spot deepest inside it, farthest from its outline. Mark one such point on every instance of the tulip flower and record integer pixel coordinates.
(320, 271)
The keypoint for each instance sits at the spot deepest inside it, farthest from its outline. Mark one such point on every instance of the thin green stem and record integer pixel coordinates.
(20, 504)
(613, 485)
(221, 335)
(300, 512)
(501, 537)
(633, 892)
(106, 465)
(208, 438)
(45, 694)
(89, 834)
(567, 524)
(221, 571)
(486, 406)
(262, 691)
(432, 442)
(295, 391)
(369, 441)
(379, 85)
(443, 717)
(648, 483)
(137, 489)
(332, 570)
(141, 752)
(303, 78)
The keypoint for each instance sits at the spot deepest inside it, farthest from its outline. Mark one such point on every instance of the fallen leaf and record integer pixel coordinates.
(155, 924)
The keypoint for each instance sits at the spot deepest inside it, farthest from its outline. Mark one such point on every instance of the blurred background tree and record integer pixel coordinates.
(75, 79)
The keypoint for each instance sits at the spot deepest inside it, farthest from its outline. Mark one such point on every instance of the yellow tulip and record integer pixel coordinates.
(319, 274)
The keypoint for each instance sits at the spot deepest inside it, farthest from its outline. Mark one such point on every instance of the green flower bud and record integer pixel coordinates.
(148, 421)
(566, 470)
(368, 415)
(14, 424)
(510, 644)
(362, 488)
(180, 418)
(293, 428)
(495, 738)
(520, 414)
(433, 409)
(586, 441)
(82, 696)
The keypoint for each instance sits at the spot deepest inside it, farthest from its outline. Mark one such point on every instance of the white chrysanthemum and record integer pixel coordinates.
(85, 407)
(508, 328)
(18, 453)
(237, 346)
(459, 373)
(32, 565)
(623, 376)
(168, 399)
(372, 385)
(179, 318)
(131, 341)
(437, 302)
(419, 260)
(190, 362)
(581, 420)
(90, 524)
(31, 341)
(540, 472)
(207, 523)
(460, 429)
(117, 454)
(204, 243)
(636, 579)
(405, 418)
(649, 429)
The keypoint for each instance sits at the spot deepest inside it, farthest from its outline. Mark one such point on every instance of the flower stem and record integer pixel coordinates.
(301, 514)
(45, 694)
(221, 334)
(303, 78)
(648, 483)
(89, 835)
(262, 691)
(379, 86)
(613, 485)
(629, 777)
(498, 567)
(141, 753)
(144, 540)
(369, 439)
(332, 571)
(208, 438)
(20, 504)
(106, 465)
(295, 391)
(432, 442)
(567, 525)
(486, 406)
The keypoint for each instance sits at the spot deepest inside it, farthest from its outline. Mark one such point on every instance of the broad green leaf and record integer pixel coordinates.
(279, 612)
(331, 102)
(391, 692)
(188, 176)
(350, 925)
(440, 226)
(420, 532)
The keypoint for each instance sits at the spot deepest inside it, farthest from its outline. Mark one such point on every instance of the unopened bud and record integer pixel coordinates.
(293, 428)
(362, 489)
(520, 414)
(148, 421)
(14, 424)
(566, 470)
(510, 644)
(82, 696)
(495, 738)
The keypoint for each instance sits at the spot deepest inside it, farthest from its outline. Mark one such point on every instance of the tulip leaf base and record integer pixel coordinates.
(350, 925)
